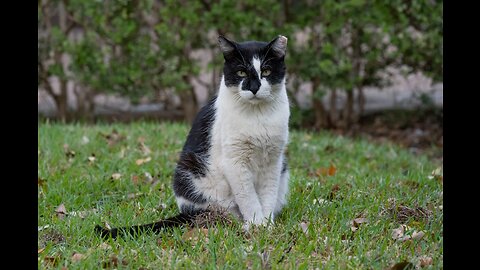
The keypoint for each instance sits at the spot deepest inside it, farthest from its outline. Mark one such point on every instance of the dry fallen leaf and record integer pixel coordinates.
(82, 214)
(195, 233)
(404, 233)
(41, 182)
(92, 158)
(116, 176)
(104, 246)
(50, 261)
(330, 171)
(135, 179)
(77, 257)
(355, 223)
(437, 174)
(41, 228)
(418, 235)
(61, 211)
(68, 152)
(333, 192)
(425, 261)
(107, 225)
(402, 266)
(113, 138)
(143, 160)
(144, 148)
(304, 227)
(398, 233)
(112, 262)
(40, 250)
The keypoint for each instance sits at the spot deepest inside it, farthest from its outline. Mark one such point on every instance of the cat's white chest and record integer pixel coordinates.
(255, 137)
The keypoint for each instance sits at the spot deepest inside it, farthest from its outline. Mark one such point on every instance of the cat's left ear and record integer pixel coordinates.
(226, 46)
(278, 46)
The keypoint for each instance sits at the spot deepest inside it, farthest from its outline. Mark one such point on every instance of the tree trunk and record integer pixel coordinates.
(361, 101)
(321, 117)
(85, 103)
(348, 110)
(333, 107)
(61, 103)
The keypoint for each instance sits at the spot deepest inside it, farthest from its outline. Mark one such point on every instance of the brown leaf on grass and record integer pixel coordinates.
(135, 179)
(165, 245)
(437, 174)
(91, 158)
(107, 225)
(50, 261)
(112, 262)
(399, 232)
(405, 233)
(402, 213)
(77, 257)
(425, 261)
(144, 148)
(82, 214)
(143, 160)
(355, 223)
(40, 250)
(333, 192)
(61, 211)
(330, 171)
(116, 176)
(70, 154)
(418, 235)
(195, 234)
(113, 138)
(304, 227)
(402, 266)
(104, 246)
(134, 195)
(42, 183)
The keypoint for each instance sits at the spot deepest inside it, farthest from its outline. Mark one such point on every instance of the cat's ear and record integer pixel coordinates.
(226, 46)
(278, 46)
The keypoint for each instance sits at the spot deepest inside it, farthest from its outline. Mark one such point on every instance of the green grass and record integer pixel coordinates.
(367, 176)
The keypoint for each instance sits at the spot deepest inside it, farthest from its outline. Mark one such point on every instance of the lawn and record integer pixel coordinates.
(348, 202)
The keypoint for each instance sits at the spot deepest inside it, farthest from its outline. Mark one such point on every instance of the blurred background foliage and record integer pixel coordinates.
(144, 48)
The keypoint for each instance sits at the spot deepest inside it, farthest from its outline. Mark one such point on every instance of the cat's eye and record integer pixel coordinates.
(241, 73)
(266, 72)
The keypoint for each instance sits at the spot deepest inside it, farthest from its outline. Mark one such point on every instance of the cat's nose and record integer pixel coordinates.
(254, 87)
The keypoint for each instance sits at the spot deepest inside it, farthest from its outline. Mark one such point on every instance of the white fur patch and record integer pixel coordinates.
(256, 65)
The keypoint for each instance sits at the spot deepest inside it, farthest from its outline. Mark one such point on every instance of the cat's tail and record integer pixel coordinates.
(176, 221)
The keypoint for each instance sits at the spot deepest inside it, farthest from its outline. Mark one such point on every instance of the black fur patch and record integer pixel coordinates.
(195, 155)
(241, 59)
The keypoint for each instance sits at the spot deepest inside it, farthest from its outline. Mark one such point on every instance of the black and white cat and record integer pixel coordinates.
(234, 155)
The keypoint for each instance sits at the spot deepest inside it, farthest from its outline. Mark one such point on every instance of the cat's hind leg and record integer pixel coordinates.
(282, 188)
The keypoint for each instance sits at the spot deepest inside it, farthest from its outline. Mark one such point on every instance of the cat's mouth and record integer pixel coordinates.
(256, 100)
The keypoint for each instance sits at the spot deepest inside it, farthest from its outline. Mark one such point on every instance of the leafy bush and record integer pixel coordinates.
(142, 47)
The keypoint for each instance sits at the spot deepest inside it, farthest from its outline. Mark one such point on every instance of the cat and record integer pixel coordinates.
(234, 155)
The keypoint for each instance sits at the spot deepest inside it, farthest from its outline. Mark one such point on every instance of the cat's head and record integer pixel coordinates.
(253, 70)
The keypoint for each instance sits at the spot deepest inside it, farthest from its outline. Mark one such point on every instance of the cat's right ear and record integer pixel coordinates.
(227, 47)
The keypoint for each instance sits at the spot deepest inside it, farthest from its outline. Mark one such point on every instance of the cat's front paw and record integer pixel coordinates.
(266, 222)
